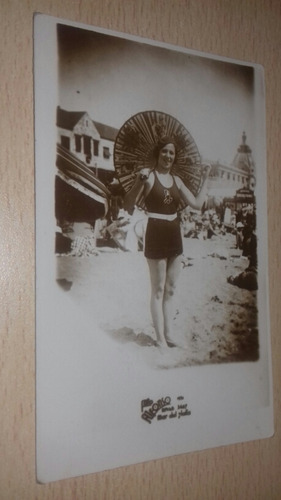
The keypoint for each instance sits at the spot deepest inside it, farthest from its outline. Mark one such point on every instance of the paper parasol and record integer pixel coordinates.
(135, 145)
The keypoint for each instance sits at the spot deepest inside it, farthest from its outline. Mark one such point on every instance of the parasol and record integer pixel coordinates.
(135, 145)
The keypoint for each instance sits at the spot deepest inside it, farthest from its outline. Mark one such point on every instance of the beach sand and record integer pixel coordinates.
(214, 321)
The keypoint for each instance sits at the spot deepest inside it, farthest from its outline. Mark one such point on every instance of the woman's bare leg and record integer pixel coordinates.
(172, 273)
(157, 269)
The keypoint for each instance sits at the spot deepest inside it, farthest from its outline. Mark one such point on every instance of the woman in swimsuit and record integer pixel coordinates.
(162, 193)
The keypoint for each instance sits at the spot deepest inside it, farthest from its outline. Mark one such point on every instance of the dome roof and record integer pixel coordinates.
(243, 159)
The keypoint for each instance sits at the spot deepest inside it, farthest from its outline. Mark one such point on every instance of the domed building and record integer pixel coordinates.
(244, 161)
(226, 180)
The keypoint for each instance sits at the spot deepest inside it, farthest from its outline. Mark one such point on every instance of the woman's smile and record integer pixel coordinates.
(167, 156)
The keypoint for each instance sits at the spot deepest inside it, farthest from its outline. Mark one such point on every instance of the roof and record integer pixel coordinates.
(106, 132)
(68, 120)
(243, 159)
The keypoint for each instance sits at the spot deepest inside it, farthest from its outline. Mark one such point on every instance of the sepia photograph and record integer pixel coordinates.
(151, 238)
(135, 185)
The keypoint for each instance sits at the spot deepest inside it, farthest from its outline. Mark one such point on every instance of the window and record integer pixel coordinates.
(65, 142)
(78, 143)
(96, 148)
(106, 153)
(87, 145)
(228, 176)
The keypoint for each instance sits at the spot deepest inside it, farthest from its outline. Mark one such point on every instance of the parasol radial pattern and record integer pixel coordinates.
(135, 145)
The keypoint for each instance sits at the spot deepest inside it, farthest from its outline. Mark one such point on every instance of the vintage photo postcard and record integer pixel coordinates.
(152, 317)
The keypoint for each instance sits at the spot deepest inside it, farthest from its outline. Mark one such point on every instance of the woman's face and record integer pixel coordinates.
(167, 156)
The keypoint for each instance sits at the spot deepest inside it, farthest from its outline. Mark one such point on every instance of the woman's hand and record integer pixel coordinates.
(143, 174)
(206, 168)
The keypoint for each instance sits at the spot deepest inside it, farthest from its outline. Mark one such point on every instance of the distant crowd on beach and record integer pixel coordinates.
(246, 241)
(124, 231)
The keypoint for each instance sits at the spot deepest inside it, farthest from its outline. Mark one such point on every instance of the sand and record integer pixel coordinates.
(214, 321)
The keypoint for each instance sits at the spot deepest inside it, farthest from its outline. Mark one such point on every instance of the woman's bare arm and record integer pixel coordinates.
(195, 202)
(143, 183)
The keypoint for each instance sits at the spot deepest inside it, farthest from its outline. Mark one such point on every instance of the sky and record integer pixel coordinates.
(114, 78)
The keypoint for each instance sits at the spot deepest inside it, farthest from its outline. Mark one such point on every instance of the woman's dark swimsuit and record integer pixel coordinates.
(163, 237)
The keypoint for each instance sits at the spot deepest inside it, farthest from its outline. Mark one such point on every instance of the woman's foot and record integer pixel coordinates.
(171, 344)
(161, 344)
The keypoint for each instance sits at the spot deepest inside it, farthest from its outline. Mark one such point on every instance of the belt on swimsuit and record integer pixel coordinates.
(162, 216)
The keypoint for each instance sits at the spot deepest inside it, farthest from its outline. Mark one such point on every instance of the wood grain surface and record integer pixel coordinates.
(243, 29)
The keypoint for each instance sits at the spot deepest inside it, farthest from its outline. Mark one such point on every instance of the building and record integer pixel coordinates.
(225, 180)
(243, 159)
(91, 142)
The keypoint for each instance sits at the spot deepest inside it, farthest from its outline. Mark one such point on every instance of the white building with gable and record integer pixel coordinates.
(91, 142)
